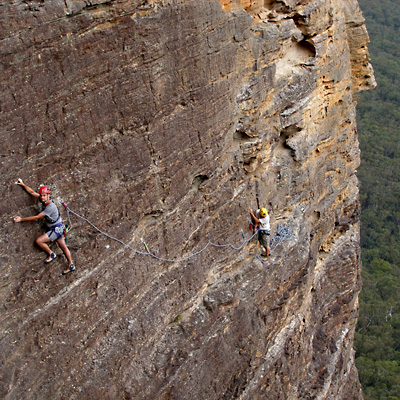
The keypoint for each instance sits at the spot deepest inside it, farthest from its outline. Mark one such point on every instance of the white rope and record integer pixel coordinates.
(149, 253)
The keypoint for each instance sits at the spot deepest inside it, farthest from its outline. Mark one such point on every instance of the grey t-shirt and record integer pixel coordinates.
(52, 215)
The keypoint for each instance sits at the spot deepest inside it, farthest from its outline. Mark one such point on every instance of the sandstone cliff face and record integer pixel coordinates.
(165, 120)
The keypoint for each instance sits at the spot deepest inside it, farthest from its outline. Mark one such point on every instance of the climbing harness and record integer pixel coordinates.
(148, 253)
(58, 229)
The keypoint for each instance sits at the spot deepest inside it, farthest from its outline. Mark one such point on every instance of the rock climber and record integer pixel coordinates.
(260, 223)
(54, 224)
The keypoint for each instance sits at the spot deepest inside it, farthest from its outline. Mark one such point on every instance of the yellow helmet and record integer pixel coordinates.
(263, 212)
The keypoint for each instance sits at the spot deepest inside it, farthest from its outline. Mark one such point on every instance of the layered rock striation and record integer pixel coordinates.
(163, 122)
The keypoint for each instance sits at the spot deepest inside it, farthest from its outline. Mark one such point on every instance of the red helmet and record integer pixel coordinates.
(44, 190)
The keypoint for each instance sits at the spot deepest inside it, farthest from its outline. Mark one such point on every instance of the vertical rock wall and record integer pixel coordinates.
(165, 121)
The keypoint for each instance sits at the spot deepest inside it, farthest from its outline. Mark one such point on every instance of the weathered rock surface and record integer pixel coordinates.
(165, 120)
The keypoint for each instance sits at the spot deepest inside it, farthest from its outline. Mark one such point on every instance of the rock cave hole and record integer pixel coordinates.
(198, 180)
(274, 5)
(241, 137)
(308, 47)
(297, 55)
(288, 133)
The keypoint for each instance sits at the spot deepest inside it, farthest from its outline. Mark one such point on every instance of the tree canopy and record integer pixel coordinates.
(377, 339)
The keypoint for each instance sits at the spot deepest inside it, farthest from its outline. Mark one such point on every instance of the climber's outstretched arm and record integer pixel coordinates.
(27, 188)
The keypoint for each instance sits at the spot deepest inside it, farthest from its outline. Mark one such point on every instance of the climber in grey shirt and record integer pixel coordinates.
(52, 216)
(54, 224)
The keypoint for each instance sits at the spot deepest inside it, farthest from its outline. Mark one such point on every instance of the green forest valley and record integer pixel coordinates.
(377, 340)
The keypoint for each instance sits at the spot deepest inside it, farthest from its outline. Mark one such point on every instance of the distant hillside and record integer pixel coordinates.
(378, 336)
(160, 123)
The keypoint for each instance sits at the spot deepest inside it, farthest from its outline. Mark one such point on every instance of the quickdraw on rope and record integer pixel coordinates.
(282, 234)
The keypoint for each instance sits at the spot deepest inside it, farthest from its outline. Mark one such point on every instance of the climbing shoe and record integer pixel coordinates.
(71, 268)
(51, 257)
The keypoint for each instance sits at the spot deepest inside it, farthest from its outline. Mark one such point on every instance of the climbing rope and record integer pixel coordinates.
(148, 253)
(283, 233)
